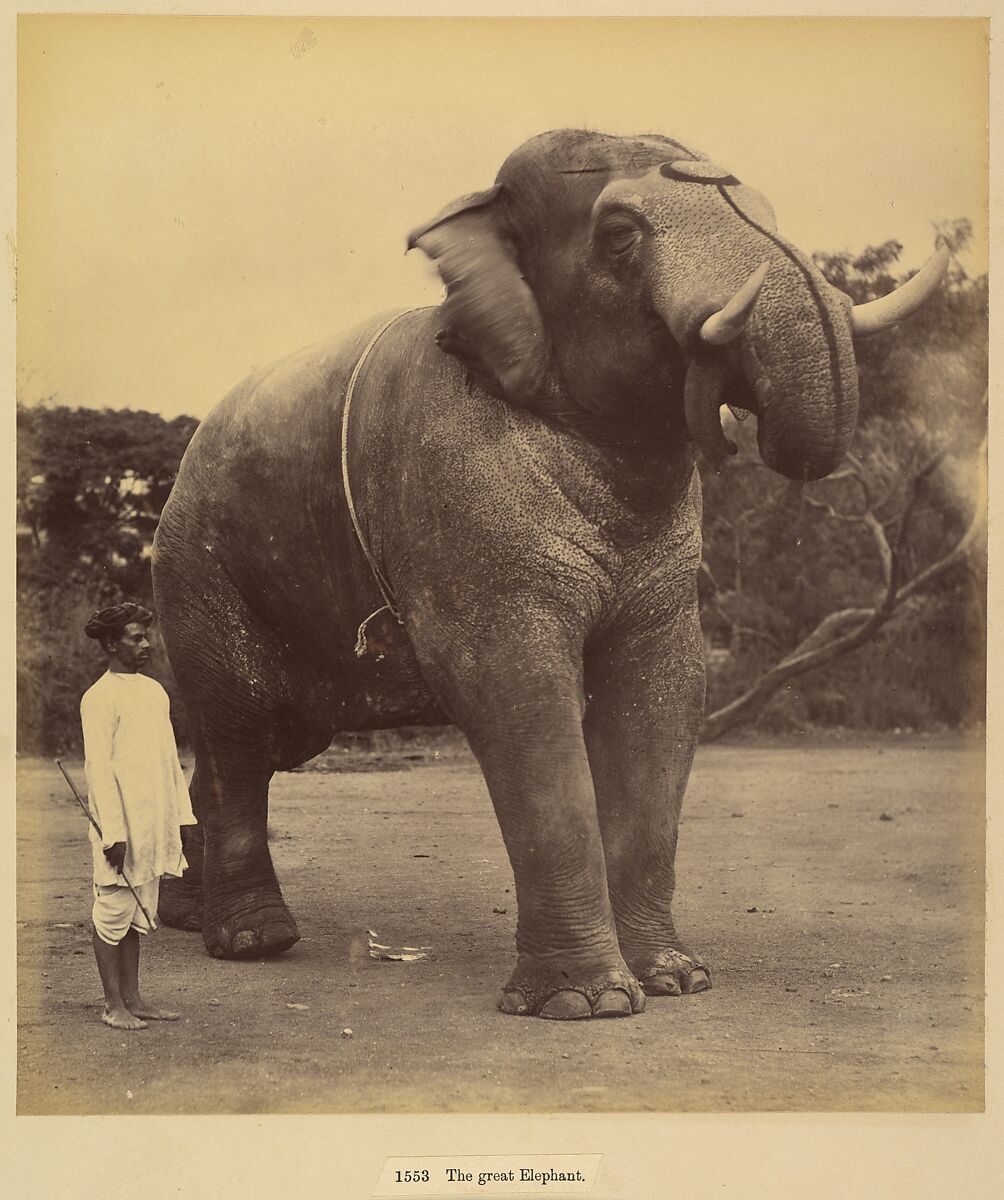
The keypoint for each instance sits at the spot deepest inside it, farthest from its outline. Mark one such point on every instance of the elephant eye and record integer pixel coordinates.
(616, 235)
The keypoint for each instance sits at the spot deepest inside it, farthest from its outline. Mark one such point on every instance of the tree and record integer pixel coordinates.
(847, 629)
(91, 486)
(90, 489)
(788, 579)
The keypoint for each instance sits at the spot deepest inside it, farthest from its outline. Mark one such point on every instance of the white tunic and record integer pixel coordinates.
(135, 784)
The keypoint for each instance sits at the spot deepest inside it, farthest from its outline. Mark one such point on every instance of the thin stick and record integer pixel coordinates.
(87, 814)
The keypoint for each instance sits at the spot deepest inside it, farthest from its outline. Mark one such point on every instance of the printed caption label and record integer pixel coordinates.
(490, 1175)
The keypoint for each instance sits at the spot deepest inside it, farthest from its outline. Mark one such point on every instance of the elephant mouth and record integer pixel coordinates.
(710, 386)
(788, 439)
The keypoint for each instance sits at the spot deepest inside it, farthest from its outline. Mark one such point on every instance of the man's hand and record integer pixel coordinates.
(116, 855)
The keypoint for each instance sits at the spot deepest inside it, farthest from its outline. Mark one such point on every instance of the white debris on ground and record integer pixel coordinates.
(392, 954)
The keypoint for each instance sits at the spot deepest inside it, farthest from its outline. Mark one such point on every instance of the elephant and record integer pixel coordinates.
(488, 513)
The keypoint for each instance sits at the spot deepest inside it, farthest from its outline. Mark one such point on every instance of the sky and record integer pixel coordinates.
(198, 196)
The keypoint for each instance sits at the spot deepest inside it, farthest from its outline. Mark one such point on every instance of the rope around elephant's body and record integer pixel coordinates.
(385, 589)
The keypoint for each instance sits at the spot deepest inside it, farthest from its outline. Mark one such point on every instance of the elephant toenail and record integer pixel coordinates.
(277, 936)
(244, 941)
(613, 1003)
(662, 985)
(567, 1006)
(513, 1003)
(698, 981)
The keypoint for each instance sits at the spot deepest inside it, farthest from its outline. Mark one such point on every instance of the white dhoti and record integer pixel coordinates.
(116, 910)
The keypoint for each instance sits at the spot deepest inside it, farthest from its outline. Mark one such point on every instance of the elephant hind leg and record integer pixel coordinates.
(249, 713)
(297, 740)
(244, 914)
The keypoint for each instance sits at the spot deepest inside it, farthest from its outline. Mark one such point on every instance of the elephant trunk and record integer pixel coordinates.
(799, 360)
(787, 355)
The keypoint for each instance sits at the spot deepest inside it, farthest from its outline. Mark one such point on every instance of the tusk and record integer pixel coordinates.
(887, 311)
(728, 323)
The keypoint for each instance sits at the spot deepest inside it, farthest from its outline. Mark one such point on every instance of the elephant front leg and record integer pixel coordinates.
(643, 716)
(568, 962)
(523, 717)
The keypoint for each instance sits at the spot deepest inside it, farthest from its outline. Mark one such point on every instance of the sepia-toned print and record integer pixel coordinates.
(547, 496)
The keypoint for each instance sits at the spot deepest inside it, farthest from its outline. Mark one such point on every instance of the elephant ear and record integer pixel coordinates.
(490, 319)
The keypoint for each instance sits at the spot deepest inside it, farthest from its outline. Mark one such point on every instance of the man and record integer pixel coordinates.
(139, 799)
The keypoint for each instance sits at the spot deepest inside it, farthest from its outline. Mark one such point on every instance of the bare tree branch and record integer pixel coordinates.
(850, 518)
(846, 630)
(736, 631)
(759, 634)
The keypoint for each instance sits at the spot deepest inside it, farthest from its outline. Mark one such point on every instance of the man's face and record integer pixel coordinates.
(132, 649)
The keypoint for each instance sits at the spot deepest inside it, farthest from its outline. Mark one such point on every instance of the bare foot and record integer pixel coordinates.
(150, 1011)
(122, 1018)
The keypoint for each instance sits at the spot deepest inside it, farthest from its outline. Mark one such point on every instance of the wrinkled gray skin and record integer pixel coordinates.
(528, 486)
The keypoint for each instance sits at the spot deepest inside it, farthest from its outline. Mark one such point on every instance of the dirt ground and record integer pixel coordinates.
(835, 889)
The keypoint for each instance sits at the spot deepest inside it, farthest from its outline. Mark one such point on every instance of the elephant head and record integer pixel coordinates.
(632, 284)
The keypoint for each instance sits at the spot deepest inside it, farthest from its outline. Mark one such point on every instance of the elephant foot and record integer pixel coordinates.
(673, 973)
(180, 905)
(262, 928)
(613, 993)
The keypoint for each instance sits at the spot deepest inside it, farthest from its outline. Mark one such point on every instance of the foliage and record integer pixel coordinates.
(91, 486)
(930, 371)
(90, 489)
(782, 561)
